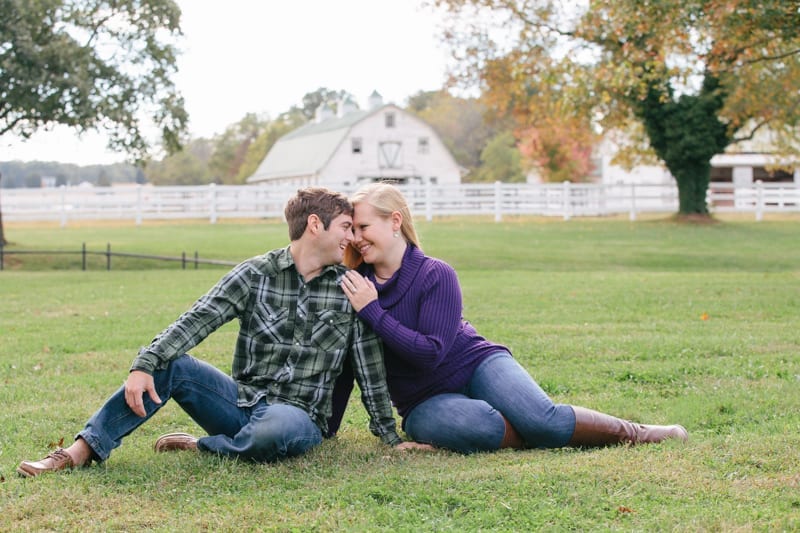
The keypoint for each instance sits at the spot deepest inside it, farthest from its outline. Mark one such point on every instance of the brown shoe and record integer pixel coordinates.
(175, 442)
(58, 460)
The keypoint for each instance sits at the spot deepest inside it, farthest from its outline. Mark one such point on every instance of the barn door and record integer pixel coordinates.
(390, 154)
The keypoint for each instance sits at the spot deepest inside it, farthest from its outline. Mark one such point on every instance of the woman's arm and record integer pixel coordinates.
(437, 315)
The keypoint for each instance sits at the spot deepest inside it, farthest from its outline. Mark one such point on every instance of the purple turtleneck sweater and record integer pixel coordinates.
(429, 348)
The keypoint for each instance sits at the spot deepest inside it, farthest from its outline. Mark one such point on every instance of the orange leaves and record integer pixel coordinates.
(559, 149)
(704, 317)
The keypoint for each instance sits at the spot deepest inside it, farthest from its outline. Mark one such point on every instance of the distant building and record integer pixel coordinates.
(357, 146)
(743, 164)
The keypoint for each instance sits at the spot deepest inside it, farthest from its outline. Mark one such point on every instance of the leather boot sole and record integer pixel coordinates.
(175, 442)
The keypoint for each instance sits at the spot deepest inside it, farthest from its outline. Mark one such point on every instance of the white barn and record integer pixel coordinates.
(359, 146)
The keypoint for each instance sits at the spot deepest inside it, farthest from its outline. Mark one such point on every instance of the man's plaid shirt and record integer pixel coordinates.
(293, 339)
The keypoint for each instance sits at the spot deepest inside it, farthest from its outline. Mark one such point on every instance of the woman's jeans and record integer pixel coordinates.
(262, 433)
(472, 421)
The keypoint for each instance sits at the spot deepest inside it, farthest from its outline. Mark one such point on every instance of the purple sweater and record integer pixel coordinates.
(429, 348)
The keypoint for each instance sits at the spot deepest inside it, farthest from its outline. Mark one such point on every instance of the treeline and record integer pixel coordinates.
(484, 147)
(19, 174)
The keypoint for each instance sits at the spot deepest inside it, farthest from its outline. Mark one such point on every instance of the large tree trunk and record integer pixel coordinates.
(686, 133)
(3, 240)
(692, 188)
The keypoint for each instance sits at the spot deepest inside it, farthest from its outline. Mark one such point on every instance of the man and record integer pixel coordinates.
(296, 330)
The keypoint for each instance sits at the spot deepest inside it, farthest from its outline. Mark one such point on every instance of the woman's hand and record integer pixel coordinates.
(358, 289)
(411, 445)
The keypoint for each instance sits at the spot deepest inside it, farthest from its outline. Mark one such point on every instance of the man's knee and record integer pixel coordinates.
(284, 431)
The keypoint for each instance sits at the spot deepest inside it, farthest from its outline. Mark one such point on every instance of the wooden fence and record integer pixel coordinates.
(215, 202)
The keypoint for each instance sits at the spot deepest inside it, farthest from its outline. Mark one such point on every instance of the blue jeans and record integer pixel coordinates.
(472, 421)
(262, 433)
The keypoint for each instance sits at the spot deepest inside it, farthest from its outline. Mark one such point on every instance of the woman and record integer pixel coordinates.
(453, 388)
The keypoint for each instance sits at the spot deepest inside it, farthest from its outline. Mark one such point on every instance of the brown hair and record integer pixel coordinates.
(385, 198)
(324, 203)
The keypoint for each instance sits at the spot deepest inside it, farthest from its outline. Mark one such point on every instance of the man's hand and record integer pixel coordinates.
(411, 445)
(136, 385)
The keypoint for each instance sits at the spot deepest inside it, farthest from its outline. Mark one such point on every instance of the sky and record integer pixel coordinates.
(262, 56)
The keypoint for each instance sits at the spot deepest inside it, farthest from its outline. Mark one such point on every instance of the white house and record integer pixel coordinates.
(357, 146)
(742, 164)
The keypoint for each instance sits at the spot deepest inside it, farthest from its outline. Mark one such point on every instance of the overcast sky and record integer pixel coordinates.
(262, 56)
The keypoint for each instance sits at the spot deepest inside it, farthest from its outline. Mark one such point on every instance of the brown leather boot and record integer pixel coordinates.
(593, 428)
(511, 439)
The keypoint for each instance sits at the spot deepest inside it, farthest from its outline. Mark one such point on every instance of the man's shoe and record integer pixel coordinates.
(57, 460)
(175, 442)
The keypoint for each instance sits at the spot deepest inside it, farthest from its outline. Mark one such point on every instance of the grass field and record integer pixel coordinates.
(650, 320)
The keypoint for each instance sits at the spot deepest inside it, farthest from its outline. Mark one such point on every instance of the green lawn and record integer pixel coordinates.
(650, 320)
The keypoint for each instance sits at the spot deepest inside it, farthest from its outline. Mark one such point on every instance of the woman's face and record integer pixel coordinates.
(373, 234)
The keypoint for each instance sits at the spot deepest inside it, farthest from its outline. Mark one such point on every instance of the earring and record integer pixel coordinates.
(396, 234)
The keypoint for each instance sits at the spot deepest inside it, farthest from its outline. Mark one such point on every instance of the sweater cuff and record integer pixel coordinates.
(392, 439)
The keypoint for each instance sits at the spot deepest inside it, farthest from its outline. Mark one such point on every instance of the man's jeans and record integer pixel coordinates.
(472, 421)
(262, 433)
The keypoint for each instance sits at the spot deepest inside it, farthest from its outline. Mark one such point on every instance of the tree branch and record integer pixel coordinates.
(774, 58)
(763, 123)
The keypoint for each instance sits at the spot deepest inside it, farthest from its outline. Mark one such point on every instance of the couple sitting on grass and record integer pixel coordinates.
(309, 326)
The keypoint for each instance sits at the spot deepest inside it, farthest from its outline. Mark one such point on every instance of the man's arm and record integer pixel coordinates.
(224, 302)
(370, 374)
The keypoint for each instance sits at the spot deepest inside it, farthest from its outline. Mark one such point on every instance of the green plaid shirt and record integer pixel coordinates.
(293, 339)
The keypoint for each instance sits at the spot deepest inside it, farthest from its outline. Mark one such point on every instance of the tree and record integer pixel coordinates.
(92, 65)
(231, 147)
(258, 149)
(501, 160)
(189, 166)
(3, 240)
(683, 80)
(322, 96)
(558, 149)
(460, 122)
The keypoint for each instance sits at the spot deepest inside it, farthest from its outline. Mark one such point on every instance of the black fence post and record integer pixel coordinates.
(183, 260)
(195, 259)
(83, 257)
(108, 256)
(1, 255)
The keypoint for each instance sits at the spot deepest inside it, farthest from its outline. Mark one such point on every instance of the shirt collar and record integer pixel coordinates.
(285, 261)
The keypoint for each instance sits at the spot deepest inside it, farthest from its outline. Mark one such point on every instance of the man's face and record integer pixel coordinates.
(337, 238)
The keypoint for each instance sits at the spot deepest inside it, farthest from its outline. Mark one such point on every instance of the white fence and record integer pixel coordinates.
(214, 202)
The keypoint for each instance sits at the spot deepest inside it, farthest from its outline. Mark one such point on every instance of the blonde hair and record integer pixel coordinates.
(385, 198)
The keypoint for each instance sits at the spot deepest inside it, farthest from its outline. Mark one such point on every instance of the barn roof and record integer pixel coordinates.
(306, 150)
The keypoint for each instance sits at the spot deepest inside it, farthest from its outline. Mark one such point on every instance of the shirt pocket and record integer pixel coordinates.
(269, 324)
(331, 330)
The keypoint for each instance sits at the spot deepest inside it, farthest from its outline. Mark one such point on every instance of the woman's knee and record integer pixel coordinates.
(461, 424)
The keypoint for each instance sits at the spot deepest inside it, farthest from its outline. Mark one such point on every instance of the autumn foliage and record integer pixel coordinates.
(682, 81)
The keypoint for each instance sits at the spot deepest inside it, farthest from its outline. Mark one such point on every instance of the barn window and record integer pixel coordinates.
(355, 143)
(423, 147)
(390, 120)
